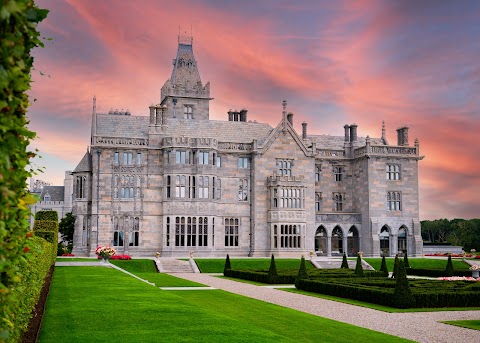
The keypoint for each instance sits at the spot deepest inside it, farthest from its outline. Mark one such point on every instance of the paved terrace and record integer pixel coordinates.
(417, 326)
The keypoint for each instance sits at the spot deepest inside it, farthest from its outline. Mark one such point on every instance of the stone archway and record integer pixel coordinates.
(402, 239)
(337, 241)
(321, 241)
(353, 245)
(385, 241)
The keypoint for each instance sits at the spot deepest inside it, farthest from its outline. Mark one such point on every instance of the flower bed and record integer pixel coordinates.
(65, 254)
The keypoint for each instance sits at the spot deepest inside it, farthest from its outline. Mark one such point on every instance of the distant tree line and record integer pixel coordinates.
(462, 232)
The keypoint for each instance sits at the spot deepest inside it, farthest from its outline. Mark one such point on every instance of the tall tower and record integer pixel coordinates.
(184, 94)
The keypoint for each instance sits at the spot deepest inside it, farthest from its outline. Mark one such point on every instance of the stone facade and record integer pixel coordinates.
(175, 181)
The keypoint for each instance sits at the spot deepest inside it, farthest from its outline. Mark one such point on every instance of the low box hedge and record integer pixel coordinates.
(436, 272)
(427, 293)
(47, 215)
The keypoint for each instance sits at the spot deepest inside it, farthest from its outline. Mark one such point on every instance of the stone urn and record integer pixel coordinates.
(475, 274)
(105, 259)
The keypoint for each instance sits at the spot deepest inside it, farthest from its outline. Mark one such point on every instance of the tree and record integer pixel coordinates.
(272, 272)
(358, 267)
(227, 264)
(402, 296)
(302, 271)
(67, 227)
(344, 261)
(384, 267)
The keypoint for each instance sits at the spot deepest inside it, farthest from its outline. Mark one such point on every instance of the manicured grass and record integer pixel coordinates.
(425, 263)
(104, 305)
(146, 270)
(216, 265)
(469, 324)
(376, 306)
(77, 259)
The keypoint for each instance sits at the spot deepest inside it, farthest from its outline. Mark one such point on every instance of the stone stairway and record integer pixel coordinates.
(170, 265)
(332, 263)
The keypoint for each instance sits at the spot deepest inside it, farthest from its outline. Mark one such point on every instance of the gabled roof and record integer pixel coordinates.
(85, 164)
(284, 126)
(57, 193)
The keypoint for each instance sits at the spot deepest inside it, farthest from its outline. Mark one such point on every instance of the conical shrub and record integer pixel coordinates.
(302, 271)
(227, 264)
(272, 272)
(358, 267)
(344, 261)
(383, 267)
(395, 267)
(405, 259)
(402, 296)
(449, 271)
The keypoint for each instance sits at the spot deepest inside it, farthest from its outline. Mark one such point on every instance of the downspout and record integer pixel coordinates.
(252, 206)
(98, 188)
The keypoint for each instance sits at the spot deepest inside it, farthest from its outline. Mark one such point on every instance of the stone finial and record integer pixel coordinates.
(384, 135)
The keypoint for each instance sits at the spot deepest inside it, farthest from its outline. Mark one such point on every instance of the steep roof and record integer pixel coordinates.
(184, 65)
(337, 142)
(85, 164)
(56, 193)
(122, 126)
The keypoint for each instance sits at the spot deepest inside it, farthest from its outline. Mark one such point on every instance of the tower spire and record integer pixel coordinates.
(94, 120)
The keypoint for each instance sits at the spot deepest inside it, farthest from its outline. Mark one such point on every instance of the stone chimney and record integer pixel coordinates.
(347, 133)
(304, 130)
(353, 133)
(290, 118)
(243, 115)
(152, 114)
(230, 115)
(402, 136)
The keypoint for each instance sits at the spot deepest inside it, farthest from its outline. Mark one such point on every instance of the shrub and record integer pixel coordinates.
(45, 225)
(344, 261)
(49, 236)
(272, 272)
(449, 271)
(302, 271)
(227, 264)
(383, 267)
(395, 267)
(405, 259)
(358, 267)
(47, 215)
(402, 296)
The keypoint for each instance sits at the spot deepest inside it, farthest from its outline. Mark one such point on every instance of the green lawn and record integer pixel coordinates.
(469, 324)
(216, 265)
(104, 305)
(426, 263)
(146, 270)
(77, 259)
(376, 306)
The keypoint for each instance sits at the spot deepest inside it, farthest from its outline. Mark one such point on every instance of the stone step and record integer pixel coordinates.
(174, 266)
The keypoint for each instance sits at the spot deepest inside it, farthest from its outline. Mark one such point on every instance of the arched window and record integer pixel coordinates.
(337, 241)
(385, 241)
(321, 241)
(317, 173)
(402, 239)
(352, 242)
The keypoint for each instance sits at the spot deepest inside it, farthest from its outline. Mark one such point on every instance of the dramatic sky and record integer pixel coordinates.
(414, 63)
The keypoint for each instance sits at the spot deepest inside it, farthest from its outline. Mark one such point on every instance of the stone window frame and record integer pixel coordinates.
(393, 171)
(189, 231)
(116, 158)
(318, 201)
(128, 158)
(339, 173)
(243, 190)
(188, 111)
(338, 201)
(203, 185)
(181, 156)
(289, 236)
(118, 231)
(232, 229)
(139, 158)
(288, 197)
(318, 170)
(81, 187)
(394, 201)
(203, 157)
(284, 166)
(243, 162)
(134, 234)
(180, 186)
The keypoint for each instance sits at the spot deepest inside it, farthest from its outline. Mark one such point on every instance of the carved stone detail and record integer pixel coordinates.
(331, 153)
(127, 169)
(339, 218)
(235, 146)
(287, 216)
(121, 141)
(190, 208)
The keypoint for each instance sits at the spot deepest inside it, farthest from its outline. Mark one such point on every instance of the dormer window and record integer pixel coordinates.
(46, 197)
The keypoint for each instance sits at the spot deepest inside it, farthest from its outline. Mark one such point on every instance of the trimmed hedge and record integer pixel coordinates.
(435, 272)
(47, 215)
(49, 236)
(45, 225)
(259, 276)
(33, 271)
(427, 293)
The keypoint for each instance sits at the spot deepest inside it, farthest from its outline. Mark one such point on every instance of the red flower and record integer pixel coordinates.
(29, 234)
(26, 249)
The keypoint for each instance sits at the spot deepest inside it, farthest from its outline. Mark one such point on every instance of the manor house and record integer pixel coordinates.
(175, 181)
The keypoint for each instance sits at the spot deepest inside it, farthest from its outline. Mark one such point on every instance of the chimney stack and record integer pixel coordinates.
(243, 115)
(347, 133)
(402, 136)
(152, 114)
(304, 130)
(353, 133)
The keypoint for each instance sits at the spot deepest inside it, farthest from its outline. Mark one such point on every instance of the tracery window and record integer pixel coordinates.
(134, 237)
(317, 173)
(288, 197)
(180, 184)
(242, 190)
(203, 187)
(338, 202)
(188, 111)
(338, 172)
(289, 236)
(318, 198)
(189, 231)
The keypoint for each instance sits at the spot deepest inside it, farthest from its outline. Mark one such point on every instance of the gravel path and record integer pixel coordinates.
(417, 326)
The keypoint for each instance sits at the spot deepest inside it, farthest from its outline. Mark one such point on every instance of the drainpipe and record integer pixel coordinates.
(99, 151)
(252, 212)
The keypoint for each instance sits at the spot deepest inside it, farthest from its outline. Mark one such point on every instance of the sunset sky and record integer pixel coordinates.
(414, 63)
